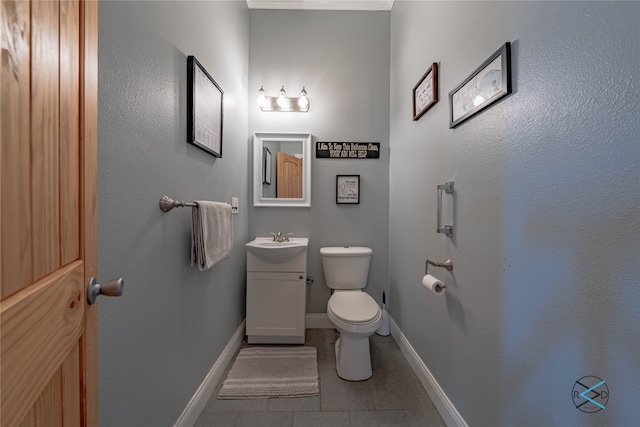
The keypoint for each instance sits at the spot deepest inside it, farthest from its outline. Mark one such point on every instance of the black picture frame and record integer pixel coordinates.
(204, 109)
(266, 167)
(481, 88)
(425, 92)
(348, 189)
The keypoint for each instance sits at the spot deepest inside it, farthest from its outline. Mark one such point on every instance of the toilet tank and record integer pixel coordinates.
(346, 267)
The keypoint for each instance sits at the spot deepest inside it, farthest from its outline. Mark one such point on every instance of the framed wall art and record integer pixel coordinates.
(204, 109)
(266, 169)
(425, 92)
(348, 189)
(489, 83)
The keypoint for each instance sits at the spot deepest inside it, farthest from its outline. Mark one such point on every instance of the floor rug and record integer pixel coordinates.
(263, 372)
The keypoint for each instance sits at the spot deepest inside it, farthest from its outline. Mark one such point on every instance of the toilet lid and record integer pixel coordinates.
(353, 307)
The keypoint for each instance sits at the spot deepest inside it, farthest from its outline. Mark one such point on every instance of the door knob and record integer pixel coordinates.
(113, 288)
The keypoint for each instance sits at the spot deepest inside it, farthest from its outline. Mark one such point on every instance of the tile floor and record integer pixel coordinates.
(392, 397)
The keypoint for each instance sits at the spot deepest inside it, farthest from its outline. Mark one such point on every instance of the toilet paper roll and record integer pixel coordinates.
(433, 284)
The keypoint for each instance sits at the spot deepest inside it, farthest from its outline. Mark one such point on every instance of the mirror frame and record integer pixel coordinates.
(258, 142)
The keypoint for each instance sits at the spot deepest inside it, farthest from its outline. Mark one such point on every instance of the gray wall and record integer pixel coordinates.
(546, 216)
(547, 208)
(159, 340)
(342, 58)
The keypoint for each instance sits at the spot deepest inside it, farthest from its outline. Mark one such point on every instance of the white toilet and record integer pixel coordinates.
(353, 312)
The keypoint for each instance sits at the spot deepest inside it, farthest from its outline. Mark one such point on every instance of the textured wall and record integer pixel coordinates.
(547, 208)
(343, 60)
(159, 340)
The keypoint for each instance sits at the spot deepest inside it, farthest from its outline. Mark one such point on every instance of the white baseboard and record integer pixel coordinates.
(445, 407)
(318, 321)
(197, 403)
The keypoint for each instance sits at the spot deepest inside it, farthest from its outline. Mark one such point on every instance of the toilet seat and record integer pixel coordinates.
(355, 307)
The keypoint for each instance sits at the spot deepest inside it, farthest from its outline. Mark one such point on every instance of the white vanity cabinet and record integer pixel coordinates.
(276, 298)
(275, 308)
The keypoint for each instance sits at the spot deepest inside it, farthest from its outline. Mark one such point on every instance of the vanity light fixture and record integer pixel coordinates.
(282, 102)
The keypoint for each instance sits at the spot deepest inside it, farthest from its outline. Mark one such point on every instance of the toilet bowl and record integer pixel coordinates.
(356, 316)
(353, 312)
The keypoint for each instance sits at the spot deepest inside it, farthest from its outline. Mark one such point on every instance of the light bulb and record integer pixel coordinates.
(262, 100)
(478, 100)
(282, 101)
(303, 101)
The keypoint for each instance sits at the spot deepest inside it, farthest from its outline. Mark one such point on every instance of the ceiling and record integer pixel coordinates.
(322, 4)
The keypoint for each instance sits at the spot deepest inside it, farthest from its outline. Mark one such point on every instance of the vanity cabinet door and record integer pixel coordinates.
(276, 308)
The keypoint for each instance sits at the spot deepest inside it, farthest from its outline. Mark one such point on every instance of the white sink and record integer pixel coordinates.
(267, 250)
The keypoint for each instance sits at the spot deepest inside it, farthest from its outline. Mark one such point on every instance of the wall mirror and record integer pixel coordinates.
(282, 169)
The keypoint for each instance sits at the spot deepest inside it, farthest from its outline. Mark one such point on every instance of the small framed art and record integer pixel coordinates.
(204, 109)
(425, 92)
(266, 167)
(348, 189)
(489, 83)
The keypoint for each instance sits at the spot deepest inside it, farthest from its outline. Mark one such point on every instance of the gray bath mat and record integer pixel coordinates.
(263, 372)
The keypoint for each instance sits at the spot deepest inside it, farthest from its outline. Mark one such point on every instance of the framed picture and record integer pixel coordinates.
(489, 83)
(204, 109)
(425, 92)
(348, 189)
(266, 167)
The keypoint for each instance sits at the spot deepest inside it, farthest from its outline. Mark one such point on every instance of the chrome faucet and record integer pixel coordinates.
(279, 237)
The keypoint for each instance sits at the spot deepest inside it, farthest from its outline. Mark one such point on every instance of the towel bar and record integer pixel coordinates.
(167, 203)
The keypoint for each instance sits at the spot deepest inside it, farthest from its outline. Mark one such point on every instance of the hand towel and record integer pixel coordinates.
(211, 233)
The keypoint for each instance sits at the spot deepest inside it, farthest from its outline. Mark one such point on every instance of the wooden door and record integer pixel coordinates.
(48, 332)
(288, 176)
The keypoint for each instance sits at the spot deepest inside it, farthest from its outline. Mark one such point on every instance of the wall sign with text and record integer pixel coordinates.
(347, 150)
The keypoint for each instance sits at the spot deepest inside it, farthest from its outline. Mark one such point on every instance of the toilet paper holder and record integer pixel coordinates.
(447, 263)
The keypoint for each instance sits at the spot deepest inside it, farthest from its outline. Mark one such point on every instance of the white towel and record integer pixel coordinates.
(211, 233)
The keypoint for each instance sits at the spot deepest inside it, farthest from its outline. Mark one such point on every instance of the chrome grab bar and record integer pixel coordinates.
(447, 187)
